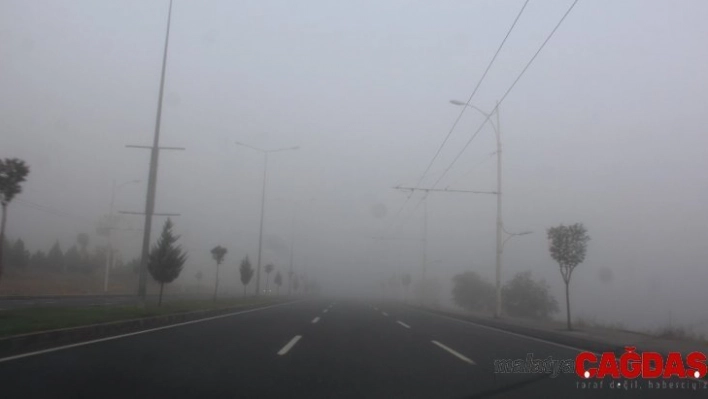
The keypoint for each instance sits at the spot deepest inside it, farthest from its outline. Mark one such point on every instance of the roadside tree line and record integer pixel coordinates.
(524, 296)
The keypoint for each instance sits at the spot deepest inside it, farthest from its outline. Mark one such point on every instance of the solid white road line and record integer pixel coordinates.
(58, 348)
(315, 320)
(512, 333)
(403, 324)
(289, 345)
(454, 353)
(384, 313)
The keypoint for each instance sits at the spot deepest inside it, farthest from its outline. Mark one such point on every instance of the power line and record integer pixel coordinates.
(486, 119)
(472, 169)
(459, 117)
(523, 71)
(55, 212)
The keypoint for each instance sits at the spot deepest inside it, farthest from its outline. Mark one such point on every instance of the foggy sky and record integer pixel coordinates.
(607, 128)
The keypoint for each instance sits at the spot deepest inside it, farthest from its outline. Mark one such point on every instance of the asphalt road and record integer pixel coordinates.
(305, 349)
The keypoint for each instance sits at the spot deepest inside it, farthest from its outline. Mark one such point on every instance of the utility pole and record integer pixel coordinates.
(425, 213)
(263, 194)
(500, 226)
(152, 174)
(292, 255)
(425, 235)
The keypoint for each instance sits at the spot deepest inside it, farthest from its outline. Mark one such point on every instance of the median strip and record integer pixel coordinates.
(454, 353)
(21, 342)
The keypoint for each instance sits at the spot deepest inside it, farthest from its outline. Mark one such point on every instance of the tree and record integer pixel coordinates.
(55, 258)
(199, 277)
(17, 255)
(246, 273)
(38, 260)
(278, 280)
(166, 259)
(568, 245)
(218, 253)
(268, 269)
(83, 240)
(13, 171)
(72, 259)
(526, 297)
(471, 292)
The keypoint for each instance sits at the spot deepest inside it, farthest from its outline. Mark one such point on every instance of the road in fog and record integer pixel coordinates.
(306, 349)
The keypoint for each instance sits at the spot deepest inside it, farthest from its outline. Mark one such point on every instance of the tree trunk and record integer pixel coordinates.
(2, 235)
(159, 300)
(216, 284)
(244, 290)
(267, 280)
(567, 304)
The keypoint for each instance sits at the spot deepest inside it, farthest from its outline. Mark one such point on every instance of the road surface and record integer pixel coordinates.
(305, 349)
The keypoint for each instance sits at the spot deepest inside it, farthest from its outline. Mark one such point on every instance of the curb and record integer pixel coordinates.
(558, 337)
(18, 344)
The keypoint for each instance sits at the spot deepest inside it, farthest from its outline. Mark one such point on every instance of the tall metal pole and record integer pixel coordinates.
(292, 255)
(425, 237)
(109, 255)
(500, 226)
(152, 178)
(260, 235)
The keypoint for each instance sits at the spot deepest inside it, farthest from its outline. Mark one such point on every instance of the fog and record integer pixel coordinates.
(607, 128)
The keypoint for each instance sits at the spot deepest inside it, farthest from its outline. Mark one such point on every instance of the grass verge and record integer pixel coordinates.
(28, 320)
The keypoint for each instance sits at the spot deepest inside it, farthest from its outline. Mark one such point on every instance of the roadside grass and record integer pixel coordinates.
(28, 320)
(680, 334)
(592, 323)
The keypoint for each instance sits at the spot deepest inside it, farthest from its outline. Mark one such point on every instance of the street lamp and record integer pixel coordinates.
(500, 225)
(111, 220)
(263, 193)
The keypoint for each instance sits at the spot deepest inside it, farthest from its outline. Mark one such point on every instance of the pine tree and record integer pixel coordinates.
(166, 259)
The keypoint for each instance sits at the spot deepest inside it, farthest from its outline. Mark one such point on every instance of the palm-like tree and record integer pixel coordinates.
(218, 253)
(278, 280)
(246, 273)
(13, 171)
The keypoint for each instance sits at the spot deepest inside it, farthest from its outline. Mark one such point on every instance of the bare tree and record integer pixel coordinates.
(13, 171)
(568, 245)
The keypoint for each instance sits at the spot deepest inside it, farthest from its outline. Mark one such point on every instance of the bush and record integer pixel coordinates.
(525, 297)
(471, 292)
